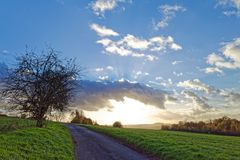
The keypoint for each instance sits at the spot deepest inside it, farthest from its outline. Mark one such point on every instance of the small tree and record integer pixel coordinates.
(117, 124)
(79, 116)
(41, 83)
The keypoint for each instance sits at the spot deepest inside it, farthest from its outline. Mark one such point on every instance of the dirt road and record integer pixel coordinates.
(90, 145)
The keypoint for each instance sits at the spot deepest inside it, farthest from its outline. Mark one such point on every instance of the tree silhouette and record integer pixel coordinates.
(224, 125)
(41, 83)
(80, 118)
(117, 124)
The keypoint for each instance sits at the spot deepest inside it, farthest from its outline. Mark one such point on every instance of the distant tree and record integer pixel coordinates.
(41, 83)
(80, 118)
(95, 123)
(117, 124)
(224, 125)
(56, 116)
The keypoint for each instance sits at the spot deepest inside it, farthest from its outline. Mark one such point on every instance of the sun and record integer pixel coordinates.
(128, 111)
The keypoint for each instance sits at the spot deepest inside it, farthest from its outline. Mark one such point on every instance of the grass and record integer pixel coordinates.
(13, 123)
(50, 143)
(177, 145)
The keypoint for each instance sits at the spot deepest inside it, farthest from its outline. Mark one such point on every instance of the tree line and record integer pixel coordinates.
(223, 126)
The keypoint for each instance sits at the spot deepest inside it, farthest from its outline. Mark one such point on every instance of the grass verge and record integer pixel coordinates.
(13, 123)
(176, 145)
(53, 142)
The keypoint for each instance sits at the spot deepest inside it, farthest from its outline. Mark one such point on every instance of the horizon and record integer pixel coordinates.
(146, 62)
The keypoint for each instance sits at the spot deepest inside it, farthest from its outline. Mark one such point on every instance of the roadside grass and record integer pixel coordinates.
(54, 142)
(13, 123)
(176, 145)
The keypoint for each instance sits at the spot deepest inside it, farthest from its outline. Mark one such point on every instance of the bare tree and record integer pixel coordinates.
(41, 83)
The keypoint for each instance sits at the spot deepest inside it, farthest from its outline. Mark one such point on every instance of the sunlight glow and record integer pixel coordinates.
(128, 111)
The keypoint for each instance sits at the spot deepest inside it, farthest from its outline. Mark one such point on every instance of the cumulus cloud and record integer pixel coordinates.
(161, 43)
(102, 31)
(228, 59)
(130, 45)
(96, 95)
(218, 97)
(133, 46)
(168, 12)
(99, 7)
(231, 7)
(200, 106)
(196, 84)
(232, 98)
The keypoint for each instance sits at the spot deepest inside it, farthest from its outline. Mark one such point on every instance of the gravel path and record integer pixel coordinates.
(90, 145)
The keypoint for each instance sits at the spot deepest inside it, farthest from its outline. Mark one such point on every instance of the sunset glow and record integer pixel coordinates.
(129, 111)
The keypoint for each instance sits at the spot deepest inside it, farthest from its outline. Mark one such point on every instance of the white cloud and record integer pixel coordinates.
(134, 42)
(170, 81)
(217, 97)
(161, 43)
(151, 57)
(99, 7)
(126, 80)
(158, 78)
(137, 74)
(99, 69)
(109, 68)
(163, 82)
(210, 70)
(168, 12)
(200, 106)
(130, 45)
(178, 74)
(105, 41)
(196, 84)
(102, 31)
(103, 78)
(232, 7)
(133, 46)
(229, 58)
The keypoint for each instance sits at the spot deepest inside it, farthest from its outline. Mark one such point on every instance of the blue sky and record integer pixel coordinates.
(198, 42)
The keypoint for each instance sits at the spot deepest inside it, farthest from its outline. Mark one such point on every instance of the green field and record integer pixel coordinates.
(12, 123)
(177, 145)
(20, 140)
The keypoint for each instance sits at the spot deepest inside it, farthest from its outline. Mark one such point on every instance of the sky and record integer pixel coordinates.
(188, 50)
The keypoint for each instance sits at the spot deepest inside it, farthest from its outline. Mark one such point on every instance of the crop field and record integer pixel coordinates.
(176, 145)
(25, 141)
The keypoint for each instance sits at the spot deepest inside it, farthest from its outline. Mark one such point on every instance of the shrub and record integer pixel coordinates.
(117, 124)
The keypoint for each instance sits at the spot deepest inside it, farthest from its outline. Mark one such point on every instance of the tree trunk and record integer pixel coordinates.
(39, 123)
